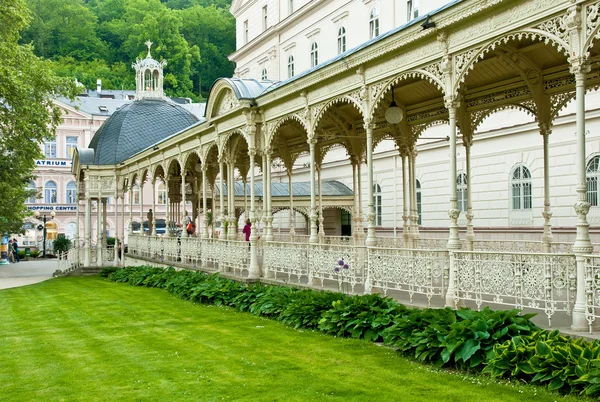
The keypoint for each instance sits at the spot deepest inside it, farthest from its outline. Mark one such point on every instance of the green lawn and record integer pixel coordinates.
(90, 339)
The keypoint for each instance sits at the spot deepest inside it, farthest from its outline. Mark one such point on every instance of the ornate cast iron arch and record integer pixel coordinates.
(379, 90)
(465, 62)
(320, 112)
(277, 125)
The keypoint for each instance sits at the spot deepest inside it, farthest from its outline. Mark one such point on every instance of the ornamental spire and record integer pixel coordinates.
(149, 76)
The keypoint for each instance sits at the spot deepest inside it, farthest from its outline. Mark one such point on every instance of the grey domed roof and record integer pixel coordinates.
(135, 127)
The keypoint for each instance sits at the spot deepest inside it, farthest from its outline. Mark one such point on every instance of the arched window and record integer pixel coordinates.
(263, 75)
(341, 40)
(50, 191)
(135, 193)
(419, 200)
(71, 193)
(377, 203)
(162, 194)
(521, 188)
(314, 54)
(373, 23)
(592, 174)
(32, 198)
(461, 191)
(148, 80)
(290, 66)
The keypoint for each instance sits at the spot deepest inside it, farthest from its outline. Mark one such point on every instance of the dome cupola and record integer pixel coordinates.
(149, 77)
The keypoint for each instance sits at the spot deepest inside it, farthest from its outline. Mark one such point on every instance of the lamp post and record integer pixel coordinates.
(44, 219)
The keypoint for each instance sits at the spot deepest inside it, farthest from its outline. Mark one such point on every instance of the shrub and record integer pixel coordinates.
(365, 316)
(35, 253)
(21, 254)
(548, 358)
(306, 309)
(105, 272)
(61, 244)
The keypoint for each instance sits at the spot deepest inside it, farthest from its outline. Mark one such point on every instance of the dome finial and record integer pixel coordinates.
(148, 76)
(149, 44)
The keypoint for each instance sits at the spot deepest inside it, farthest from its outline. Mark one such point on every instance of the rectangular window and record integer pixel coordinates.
(527, 196)
(462, 199)
(409, 10)
(71, 145)
(415, 13)
(419, 205)
(264, 18)
(50, 149)
(245, 31)
(162, 196)
(516, 196)
(291, 6)
(592, 191)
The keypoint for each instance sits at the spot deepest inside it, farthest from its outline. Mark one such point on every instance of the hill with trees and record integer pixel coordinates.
(91, 39)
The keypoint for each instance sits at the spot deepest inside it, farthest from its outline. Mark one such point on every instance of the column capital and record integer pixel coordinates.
(452, 103)
(545, 129)
(312, 141)
(579, 67)
(252, 152)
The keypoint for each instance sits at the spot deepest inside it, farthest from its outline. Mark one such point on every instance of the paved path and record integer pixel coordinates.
(26, 273)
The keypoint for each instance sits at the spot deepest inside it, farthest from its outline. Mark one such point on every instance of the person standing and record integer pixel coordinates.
(150, 216)
(9, 251)
(16, 250)
(247, 229)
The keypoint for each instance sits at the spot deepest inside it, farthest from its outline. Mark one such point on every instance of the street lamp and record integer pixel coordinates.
(37, 215)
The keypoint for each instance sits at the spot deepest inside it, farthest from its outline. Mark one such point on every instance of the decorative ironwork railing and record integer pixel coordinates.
(592, 289)
(409, 271)
(499, 279)
(545, 282)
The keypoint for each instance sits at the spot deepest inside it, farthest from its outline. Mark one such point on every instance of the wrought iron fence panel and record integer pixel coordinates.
(235, 256)
(156, 248)
(190, 251)
(324, 264)
(412, 271)
(289, 259)
(592, 288)
(171, 248)
(545, 282)
(430, 243)
(108, 256)
(208, 253)
(516, 246)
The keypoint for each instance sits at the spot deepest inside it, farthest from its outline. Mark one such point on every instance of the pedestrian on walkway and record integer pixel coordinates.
(9, 251)
(16, 250)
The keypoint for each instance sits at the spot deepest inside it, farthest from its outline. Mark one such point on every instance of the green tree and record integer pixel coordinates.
(28, 114)
(64, 28)
(216, 39)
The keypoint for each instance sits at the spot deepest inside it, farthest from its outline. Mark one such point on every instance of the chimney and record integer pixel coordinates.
(99, 86)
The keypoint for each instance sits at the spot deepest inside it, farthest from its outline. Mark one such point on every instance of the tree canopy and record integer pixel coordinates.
(91, 39)
(28, 115)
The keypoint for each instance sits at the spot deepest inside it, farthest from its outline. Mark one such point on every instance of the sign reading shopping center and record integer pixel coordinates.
(52, 208)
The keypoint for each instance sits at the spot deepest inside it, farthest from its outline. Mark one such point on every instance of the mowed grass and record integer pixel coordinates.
(89, 339)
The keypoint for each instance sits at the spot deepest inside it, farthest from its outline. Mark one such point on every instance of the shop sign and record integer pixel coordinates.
(53, 163)
(59, 208)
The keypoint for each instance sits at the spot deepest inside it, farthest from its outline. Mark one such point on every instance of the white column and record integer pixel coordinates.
(545, 131)
(123, 228)
(115, 247)
(292, 213)
(183, 220)
(470, 235)
(313, 203)
(231, 230)
(582, 244)
(453, 239)
(321, 219)
(221, 199)
(361, 230)
(353, 161)
(130, 210)
(77, 236)
(410, 206)
(142, 233)
(153, 232)
(88, 230)
(168, 215)
(405, 194)
(204, 205)
(264, 199)
(371, 240)
(269, 212)
(413, 184)
(99, 232)
(254, 269)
